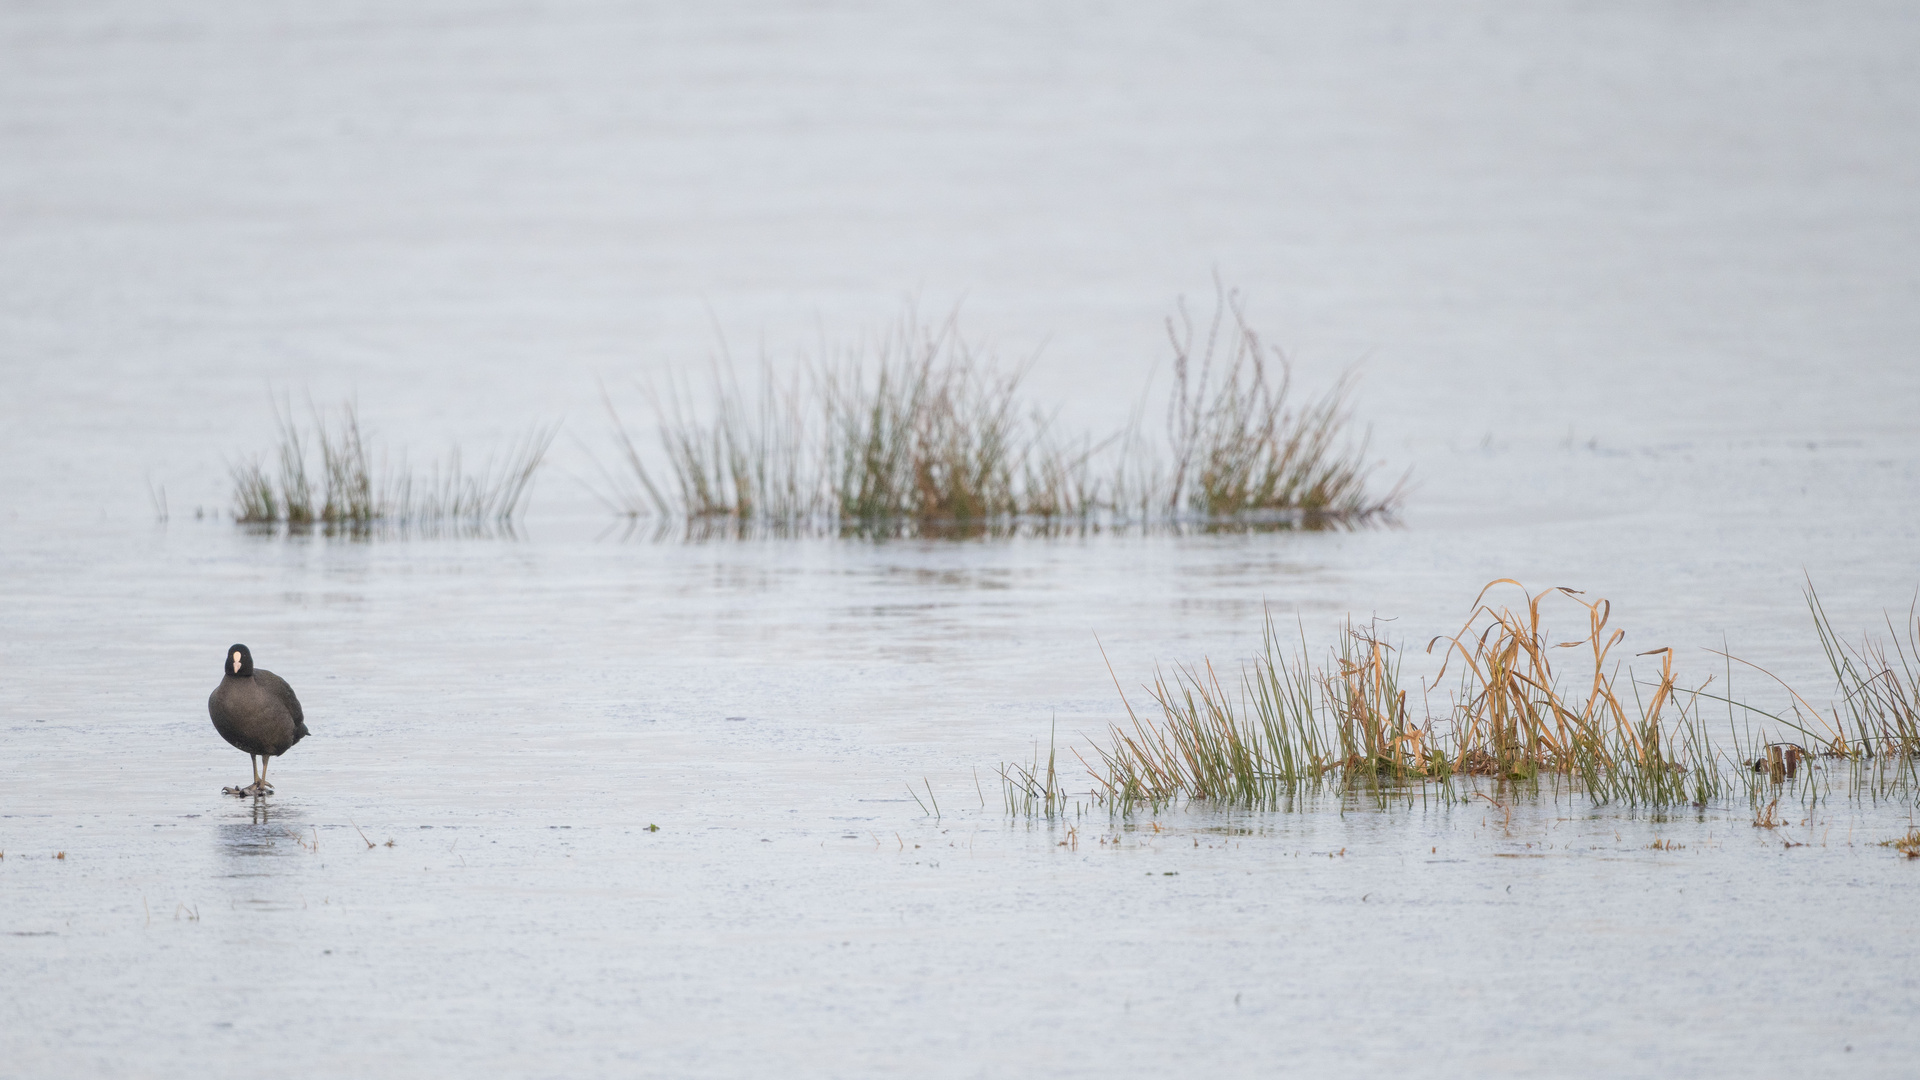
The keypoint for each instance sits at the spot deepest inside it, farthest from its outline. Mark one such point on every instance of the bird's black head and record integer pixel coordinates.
(239, 660)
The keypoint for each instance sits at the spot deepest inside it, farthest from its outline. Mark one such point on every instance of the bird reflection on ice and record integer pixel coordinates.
(267, 830)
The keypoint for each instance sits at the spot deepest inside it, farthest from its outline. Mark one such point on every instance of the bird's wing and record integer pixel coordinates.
(278, 687)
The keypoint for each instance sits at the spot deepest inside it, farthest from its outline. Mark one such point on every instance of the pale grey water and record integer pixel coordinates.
(1634, 293)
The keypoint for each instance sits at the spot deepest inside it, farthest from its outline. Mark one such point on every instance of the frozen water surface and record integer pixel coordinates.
(1634, 293)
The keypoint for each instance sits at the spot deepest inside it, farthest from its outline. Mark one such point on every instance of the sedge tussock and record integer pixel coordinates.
(325, 473)
(1530, 706)
(1908, 845)
(925, 432)
(1240, 445)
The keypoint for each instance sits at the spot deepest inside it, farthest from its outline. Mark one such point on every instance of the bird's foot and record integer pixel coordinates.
(255, 789)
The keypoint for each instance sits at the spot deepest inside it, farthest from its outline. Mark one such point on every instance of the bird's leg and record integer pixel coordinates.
(245, 790)
(259, 785)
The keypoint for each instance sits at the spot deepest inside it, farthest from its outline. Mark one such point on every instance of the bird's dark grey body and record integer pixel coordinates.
(256, 711)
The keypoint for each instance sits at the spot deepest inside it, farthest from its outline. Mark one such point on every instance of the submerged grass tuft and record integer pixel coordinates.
(1034, 789)
(1908, 845)
(1878, 714)
(924, 432)
(1521, 715)
(324, 473)
(1238, 444)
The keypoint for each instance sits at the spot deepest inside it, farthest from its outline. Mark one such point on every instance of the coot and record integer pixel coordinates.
(255, 710)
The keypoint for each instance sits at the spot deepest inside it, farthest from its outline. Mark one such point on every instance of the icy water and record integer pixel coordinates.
(1632, 292)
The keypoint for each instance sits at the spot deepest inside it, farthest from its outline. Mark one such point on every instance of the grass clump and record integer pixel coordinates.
(1872, 723)
(1238, 444)
(1522, 713)
(1908, 845)
(930, 432)
(1035, 789)
(922, 430)
(1878, 713)
(324, 473)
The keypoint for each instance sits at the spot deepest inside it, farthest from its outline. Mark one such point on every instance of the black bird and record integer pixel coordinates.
(255, 710)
